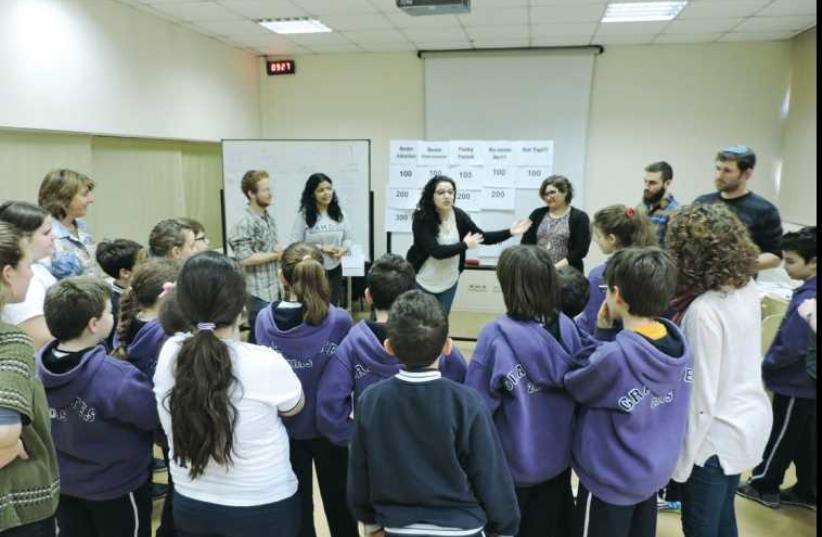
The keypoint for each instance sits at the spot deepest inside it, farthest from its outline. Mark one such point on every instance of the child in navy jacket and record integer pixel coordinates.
(361, 360)
(633, 393)
(306, 330)
(103, 417)
(118, 259)
(518, 367)
(426, 459)
(793, 436)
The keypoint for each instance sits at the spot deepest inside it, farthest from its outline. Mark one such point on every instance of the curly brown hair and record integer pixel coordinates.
(711, 247)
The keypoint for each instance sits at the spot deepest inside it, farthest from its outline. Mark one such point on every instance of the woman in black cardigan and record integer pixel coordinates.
(563, 230)
(442, 234)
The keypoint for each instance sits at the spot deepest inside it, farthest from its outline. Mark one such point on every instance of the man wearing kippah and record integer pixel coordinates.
(734, 167)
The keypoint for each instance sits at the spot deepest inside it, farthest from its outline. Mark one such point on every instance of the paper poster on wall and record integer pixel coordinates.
(467, 176)
(404, 152)
(535, 153)
(424, 173)
(500, 154)
(531, 177)
(405, 175)
(398, 221)
(498, 175)
(402, 198)
(498, 199)
(469, 199)
(434, 154)
(467, 153)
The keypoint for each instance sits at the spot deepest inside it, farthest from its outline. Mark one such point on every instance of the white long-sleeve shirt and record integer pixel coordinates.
(324, 231)
(730, 414)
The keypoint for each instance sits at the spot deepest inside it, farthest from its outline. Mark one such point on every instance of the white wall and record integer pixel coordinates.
(97, 66)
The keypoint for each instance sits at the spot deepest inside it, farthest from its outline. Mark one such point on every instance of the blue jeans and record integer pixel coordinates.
(445, 298)
(708, 502)
(195, 518)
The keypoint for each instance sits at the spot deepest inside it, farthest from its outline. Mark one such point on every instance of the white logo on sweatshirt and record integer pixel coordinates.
(633, 398)
(85, 412)
(300, 364)
(360, 371)
(513, 377)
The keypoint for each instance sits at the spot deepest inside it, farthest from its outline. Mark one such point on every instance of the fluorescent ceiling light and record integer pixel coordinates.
(642, 11)
(302, 25)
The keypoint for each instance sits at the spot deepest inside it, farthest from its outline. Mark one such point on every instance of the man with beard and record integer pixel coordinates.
(254, 241)
(657, 202)
(734, 167)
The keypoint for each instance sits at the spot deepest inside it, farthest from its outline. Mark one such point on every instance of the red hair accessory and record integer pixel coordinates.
(630, 212)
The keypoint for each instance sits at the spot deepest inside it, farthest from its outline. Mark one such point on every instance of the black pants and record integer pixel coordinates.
(166, 527)
(546, 509)
(596, 518)
(126, 516)
(255, 306)
(201, 519)
(793, 440)
(332, 468)
(335, 280)
(41, 528)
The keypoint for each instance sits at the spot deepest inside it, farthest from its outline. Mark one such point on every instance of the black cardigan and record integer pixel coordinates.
(426, 245)
(578, 241)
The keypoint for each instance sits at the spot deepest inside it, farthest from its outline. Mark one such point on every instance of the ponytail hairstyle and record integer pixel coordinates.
(304, 275)
(146, 287)
(12, 252)
(629, 226)
(210, 293)
(26, 217)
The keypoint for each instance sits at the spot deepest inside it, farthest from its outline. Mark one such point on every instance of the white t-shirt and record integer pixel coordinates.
(730, 414)
(438, 275)
(325, 231)
(261, 472)
(32, 306)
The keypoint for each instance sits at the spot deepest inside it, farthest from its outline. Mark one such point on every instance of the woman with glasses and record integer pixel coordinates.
(563, 230)
(442, 234)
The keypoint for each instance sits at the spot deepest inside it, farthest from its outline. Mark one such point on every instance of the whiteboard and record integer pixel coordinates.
(289, 163)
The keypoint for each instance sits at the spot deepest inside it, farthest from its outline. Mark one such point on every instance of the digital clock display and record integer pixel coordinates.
(280, 67)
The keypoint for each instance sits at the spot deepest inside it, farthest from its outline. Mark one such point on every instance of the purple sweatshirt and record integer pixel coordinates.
(587, 320)
(361, 361)
(634, 410)
(783, 369)
(307, 349)
(144, 348)
(103, 414)
(518, 369)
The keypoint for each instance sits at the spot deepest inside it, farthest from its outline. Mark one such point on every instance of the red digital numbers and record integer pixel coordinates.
(280, 67)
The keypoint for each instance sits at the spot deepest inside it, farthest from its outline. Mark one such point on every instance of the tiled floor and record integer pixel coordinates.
(753, 519)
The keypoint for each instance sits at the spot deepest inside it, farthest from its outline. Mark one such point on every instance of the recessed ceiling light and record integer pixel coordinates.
(642, 11)
(302, 25)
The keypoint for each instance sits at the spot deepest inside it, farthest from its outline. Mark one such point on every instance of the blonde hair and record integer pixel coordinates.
(58, 188)
(304, 275)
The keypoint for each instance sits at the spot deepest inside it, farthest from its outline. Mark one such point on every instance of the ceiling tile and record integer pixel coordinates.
(723, 8)
(388, 47)
(758, 36)
(621, 39)
(775, 24)
(198, 11)
(402, 21)
(233, 28)
(264, 9)
(631, 28)
(498, 32)
(561, 41)
(686, 38)
(335, 49)
(374, 37)
(293, 50)
(443, 45)
(582, 12)
(696, 26)
(540, 3)
(335, 7)
(789, 7)
(327, 39)
(493, 16)
(553, 30)
(491, 42)
(373, 21)
(442, 35)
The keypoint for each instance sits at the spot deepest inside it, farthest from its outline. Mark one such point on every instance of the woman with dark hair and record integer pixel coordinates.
(442, 234)
(66, 195)
(36, 225)
(730, 415)
(322, 222)
(563, 230)
(221, 403)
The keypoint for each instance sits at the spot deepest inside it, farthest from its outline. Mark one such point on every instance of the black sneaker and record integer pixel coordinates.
(768, 499)
(158, 490)
(790, 497)
(158, 465)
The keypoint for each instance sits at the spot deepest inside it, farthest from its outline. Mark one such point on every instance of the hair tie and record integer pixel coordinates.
(167, 288)
(206, 327)
(629, 212)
